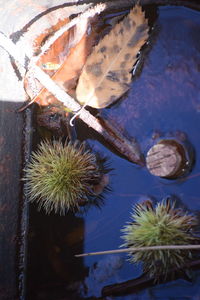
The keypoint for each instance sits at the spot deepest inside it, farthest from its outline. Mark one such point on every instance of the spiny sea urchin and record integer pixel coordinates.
(61, 176)
(159, 225)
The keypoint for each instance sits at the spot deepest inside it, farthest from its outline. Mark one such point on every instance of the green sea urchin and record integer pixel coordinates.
(61, 177)
(159, 225)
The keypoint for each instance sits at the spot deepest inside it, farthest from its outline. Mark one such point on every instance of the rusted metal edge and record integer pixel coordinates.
(24, 211)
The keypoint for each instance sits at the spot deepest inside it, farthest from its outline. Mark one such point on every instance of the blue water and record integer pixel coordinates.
(165, 98)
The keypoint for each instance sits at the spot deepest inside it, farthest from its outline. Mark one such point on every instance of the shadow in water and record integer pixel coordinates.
(52, 271)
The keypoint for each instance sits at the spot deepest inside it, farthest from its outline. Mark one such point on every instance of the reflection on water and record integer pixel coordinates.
(164, 98)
